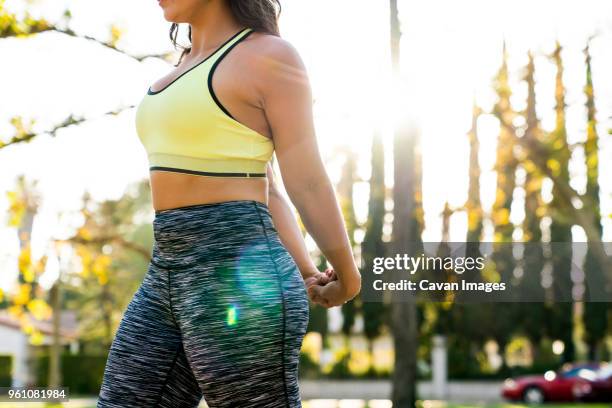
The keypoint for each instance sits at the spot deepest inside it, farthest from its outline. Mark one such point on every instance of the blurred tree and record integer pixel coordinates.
(345, 196)
(465, 326)
(561, 325)
(373, 246)
(506, 163)
(406, 238)
(473, 206)
(467, 317)
(574, 204)
(12, 25)
(595, 312)
(27, 302)
(55, 372)
(418, 222)
(24, 133)
(532, 314)
(113, 247)
(441, 301)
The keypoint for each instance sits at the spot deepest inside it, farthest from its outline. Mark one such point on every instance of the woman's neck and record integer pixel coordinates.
(214, 25)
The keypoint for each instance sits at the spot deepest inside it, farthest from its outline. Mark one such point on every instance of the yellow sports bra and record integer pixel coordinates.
(185, 128)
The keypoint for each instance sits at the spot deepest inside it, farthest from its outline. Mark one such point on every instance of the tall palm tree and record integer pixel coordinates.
(405, 239)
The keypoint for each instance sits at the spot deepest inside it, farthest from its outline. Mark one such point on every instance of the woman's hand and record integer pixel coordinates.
(331, 294)
(327, 291)
(331, 274)
(316, 277)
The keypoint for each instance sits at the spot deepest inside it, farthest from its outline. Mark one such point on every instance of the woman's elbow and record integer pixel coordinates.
(353, 287)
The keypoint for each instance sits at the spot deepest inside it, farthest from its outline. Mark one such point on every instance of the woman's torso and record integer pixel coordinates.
(206, 108)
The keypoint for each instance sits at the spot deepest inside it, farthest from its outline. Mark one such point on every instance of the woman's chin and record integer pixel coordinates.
(171, 16)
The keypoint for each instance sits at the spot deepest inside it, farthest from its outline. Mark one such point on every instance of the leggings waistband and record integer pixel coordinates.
(196, 207)
(186, 232)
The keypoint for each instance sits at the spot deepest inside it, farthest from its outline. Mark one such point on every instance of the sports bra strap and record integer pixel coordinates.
(226, 47)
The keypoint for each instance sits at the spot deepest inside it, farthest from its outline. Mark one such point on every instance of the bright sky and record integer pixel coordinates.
(450, 51)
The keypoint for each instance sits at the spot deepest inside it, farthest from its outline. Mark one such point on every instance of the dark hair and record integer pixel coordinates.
(260, 15)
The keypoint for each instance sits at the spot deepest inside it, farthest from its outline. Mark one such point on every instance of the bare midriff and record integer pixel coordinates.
(173, 190)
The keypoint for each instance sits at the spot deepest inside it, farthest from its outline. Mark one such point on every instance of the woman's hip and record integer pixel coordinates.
(231, 243)
(187, 236)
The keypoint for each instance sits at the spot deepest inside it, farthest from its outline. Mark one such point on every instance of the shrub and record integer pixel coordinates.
(82, 374)
(6, 365)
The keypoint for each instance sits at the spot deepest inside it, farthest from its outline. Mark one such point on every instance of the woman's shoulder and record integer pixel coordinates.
(266, 50)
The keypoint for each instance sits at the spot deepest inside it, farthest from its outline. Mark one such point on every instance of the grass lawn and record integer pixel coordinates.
(436, 404)
(342, 404)
(431, 404)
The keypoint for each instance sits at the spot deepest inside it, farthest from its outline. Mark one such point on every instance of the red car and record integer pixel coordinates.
(596, 388)
(552, 386)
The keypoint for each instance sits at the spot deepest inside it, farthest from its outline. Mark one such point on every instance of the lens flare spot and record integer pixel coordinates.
(256, 276)
(232, 315)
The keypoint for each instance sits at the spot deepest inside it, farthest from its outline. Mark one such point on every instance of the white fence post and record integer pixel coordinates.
(439, 366)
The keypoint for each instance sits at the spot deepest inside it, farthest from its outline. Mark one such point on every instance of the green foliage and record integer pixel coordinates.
(544, 358)
(532, 315)
(462, 362)
(113, 232)
(6, 366)
(345, 196)
(308, 368)
(374, 313)
(473, 204)
(561, 323)
(340, 369)
(82, 374)
(318, 320)
(595, 315)
(12, 26)
(504, 316)
(349, 310)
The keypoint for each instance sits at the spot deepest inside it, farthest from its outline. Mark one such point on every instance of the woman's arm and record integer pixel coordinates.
(286, 98)
(288, 230)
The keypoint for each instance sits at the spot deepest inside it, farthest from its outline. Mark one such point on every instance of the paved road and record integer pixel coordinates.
(467, 392)
(458, 391)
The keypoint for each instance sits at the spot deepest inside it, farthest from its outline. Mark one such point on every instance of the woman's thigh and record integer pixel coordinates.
(242, 311)
(146, 366)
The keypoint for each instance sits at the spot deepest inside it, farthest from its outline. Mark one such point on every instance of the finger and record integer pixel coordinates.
(331, 274)
(313, 280)
(324, 280)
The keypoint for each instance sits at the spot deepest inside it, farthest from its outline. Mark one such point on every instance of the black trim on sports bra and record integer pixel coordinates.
(206, 173)
(151, 92)
(212, 71)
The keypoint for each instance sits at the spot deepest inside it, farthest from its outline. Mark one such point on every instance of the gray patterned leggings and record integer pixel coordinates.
(221, 313)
